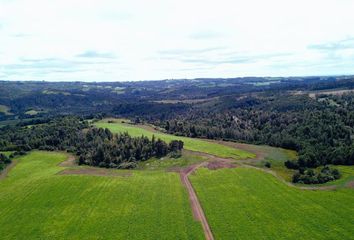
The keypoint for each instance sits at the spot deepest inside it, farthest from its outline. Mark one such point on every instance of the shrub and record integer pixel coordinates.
(176, 154)
(268, 165)
(291, 164)
(309, 176)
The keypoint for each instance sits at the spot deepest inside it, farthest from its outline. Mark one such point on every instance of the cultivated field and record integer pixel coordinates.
(244, 203)
(189, 143)
(38, 203)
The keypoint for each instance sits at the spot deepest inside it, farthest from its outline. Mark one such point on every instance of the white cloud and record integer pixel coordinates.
(136, 39)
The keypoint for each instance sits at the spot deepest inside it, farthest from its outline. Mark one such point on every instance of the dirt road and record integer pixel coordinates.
(195, 204)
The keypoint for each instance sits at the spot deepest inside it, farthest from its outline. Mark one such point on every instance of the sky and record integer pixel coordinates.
(115, 40)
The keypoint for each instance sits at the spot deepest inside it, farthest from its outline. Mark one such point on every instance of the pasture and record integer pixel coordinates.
(192, 144)
(38, 203)
(245, 203)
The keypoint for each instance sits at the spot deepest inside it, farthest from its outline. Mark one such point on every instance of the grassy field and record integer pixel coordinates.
(246, 203)
(167, 163)
(5, 110)
(189, 143)
(38, 203)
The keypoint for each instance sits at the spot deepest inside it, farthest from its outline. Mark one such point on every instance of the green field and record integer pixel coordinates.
(189, 143)
(37, 203)
(5, 110)
(246, 203)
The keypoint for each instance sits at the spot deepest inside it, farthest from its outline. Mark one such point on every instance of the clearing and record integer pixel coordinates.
(5, 110)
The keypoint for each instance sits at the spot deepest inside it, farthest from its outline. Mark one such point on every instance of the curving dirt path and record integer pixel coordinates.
(197, 209)
(70, 162)
(8, 168)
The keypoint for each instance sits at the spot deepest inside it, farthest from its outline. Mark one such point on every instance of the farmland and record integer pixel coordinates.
(189, 143)
(240, 203)
(38, 203)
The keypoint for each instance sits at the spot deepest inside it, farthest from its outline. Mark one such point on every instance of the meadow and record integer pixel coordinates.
(245, 203)
(192, 144)
(38, 203)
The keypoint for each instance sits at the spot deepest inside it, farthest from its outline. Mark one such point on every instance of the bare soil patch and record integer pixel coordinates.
(95, 172)
(350, 184)
(70, 162)
(218, 164)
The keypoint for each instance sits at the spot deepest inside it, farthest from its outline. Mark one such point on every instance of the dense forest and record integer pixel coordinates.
(95, 147)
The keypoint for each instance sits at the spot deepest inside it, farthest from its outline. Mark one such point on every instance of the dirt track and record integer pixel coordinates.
(94, 172)
(195, 204)
(70, 162)
(8, 168)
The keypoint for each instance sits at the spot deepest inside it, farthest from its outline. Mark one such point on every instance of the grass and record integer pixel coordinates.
(167, 163)
(246, 203)
(276, 157)
(32, 112)
(189, 143)
(5, 110)
(37, 203)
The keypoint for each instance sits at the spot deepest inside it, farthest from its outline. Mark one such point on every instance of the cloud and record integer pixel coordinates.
(344, 44)
(21, 35)
(210, 34)
(137, 39)
(181, 51)
(94, 54)
(216, 55)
